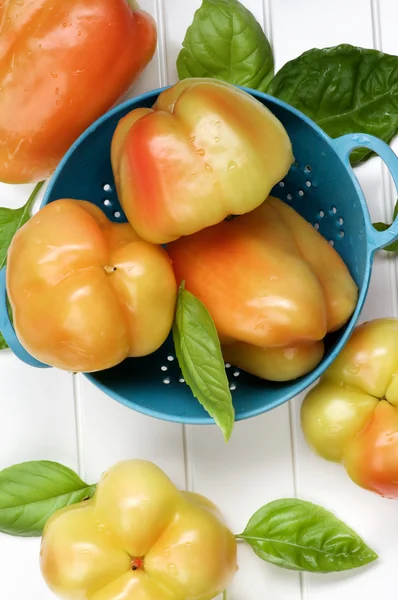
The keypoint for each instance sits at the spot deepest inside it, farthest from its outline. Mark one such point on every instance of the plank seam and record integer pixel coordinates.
(267, 18)
(303, 581)
(187, 449)
(162, 45)
(77, 398)
(388, 188)
(163, 81)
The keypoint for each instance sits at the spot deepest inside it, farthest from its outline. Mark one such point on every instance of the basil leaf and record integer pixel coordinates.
(200, 358)
(344, 89)
(383, 226)
(298, 535)
(395, 212)
(226, 42)
(10, 221)
(31, 492)
(3, 343)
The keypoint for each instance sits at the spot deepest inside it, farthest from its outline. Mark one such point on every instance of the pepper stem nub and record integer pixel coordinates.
(137, 563)
(109, 269)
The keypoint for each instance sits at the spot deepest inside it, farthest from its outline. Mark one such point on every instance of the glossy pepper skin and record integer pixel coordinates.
(351, 416)
(273, 285)
(205, 150)
(138, 538)
(62, 65)
(87, 293)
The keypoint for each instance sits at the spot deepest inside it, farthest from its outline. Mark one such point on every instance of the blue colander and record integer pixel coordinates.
(321, 186)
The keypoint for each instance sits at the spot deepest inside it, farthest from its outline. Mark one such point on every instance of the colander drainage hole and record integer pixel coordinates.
(163, 368)
(308, 168)
(316, 225)
(334, 210)
(181, 380)
(107, 202)
(170, 358)
(321, 214)
(237, 373)
(341, 234)
(106, 187)
(300, 193)
(117, 214)
(281, 184)
(166, 380)
(341, 221)
(331, 242)
(308, 183)
(289, 197)
(227, 366)
(232, 387)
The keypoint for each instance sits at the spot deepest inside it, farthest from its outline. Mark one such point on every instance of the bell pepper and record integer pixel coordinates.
(205, 150)
(85, 292)
(138, 538)
(351, 415)
(273, 286)
(63, 64)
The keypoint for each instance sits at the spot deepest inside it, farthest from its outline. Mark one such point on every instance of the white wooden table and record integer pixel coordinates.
(52, 415)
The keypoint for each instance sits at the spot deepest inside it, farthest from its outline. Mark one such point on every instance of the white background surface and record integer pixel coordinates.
(47, 415)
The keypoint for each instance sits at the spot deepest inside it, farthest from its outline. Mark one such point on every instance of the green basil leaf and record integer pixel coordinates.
(226, 42)
(200, 358)
(298, 535)
(31, 492)
(383, 226)
(3, 343)
(344, 89)
(395, 213)
(10, 221)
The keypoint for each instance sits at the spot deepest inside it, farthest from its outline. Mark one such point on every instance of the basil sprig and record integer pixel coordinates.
(200, 358)
(298, 535)
(226, 42)
(31, 492)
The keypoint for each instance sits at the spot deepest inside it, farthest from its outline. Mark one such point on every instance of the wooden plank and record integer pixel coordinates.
(37, 422)
(256, 466)
(297, 27)
(109, 431)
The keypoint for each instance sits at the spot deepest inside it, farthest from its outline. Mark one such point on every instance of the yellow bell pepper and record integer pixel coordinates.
(351, 416)
(138, 538)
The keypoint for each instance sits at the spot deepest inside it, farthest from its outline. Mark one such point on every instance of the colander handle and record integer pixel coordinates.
(7, 328)
(344, 146)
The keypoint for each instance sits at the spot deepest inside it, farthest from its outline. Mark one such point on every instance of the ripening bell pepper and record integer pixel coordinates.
(138, 538)
(62, 65)
(87, 293)
(205, 150)
(351, 415)
(273, 286)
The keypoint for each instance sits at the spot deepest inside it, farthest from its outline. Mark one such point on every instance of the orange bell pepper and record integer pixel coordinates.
(273, 285)
(62, 65)
(204, 151)
(87, 293)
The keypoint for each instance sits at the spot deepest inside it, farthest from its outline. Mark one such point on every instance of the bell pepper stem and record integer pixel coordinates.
(224, 595)
(109, 269)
